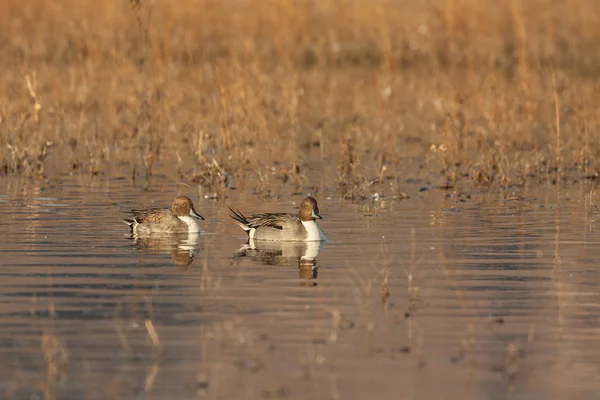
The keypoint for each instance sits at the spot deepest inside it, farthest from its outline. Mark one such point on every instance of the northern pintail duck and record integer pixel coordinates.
(180, 218)
(282, 226)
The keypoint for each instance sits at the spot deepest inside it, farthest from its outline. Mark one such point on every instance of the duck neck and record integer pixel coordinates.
(193, 226)
(313, 233)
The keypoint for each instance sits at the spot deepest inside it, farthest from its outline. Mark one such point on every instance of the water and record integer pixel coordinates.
(455, 295)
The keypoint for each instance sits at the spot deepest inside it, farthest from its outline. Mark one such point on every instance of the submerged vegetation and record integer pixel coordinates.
(252, 93)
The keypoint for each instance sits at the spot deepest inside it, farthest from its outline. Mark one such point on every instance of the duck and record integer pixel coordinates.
(180, 218)
(301, 227)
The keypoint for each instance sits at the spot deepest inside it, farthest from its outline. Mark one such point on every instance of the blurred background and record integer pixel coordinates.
(267, 91)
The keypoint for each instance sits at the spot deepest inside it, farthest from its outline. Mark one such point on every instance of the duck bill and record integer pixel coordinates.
(315, 215)
(194, 214)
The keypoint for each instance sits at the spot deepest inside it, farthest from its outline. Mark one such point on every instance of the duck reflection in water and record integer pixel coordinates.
(181, 246)
(302, 254)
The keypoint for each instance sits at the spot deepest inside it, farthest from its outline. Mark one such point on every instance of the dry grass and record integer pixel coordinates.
(263, 91)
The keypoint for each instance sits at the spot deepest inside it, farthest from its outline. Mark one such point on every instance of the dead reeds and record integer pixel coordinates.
(256, 87)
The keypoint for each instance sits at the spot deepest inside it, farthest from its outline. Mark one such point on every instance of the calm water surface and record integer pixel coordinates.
(454, 295)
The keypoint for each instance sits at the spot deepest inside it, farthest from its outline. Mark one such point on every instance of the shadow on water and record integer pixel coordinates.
(302, 254)
(181, 247)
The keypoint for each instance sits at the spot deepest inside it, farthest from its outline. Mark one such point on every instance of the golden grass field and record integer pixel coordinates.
(261, 91)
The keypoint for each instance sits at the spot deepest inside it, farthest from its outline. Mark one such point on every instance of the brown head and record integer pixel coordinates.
(183, 206)
(309, 211)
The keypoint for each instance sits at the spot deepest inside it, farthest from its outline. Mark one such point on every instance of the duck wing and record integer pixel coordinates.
(152, 215)
(272, 220)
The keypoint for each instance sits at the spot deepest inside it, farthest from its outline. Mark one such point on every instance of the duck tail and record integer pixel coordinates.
(130, 222)
(240, 219)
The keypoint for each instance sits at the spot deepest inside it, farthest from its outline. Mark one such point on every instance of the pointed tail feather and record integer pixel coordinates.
(240, 219)
(130, 222)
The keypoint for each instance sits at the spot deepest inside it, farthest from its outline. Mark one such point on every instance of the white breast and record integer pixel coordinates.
(193, 226)
(313, 231)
